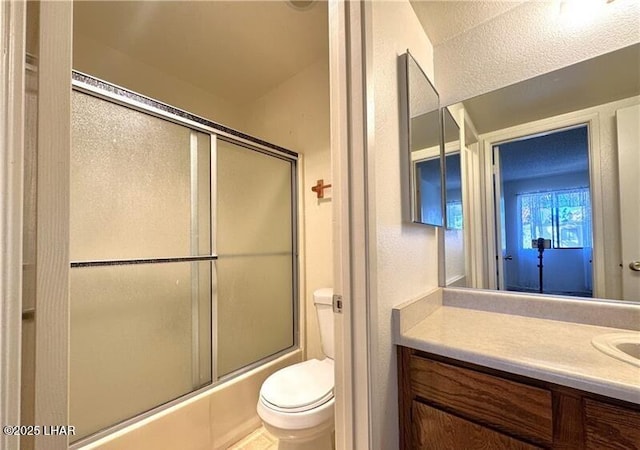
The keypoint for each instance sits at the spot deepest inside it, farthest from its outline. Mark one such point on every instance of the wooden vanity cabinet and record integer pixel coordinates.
(447, 405)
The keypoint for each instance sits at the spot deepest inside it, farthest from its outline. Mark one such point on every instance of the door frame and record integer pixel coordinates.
(629, 215)
(552, 124)
(499, 224)
(52, 268)
(348, 109)
(12, 92)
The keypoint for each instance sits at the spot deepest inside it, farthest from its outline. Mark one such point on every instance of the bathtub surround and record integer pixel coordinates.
(212, 420)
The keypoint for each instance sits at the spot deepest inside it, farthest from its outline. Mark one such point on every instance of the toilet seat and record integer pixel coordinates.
(298, 388)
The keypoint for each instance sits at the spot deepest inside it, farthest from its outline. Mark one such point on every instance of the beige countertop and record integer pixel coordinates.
(556, 351)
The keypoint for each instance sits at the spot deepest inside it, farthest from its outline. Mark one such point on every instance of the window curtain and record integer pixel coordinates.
(562, 216)
(536, 213)
(578, 202)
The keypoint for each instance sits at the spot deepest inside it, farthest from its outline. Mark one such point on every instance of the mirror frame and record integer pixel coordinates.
(405, 110)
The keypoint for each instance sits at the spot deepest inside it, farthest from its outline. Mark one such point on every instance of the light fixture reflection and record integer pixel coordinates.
(581, 12)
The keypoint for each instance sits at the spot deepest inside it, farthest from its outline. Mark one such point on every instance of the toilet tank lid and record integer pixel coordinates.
(300, 387)
(323, 296)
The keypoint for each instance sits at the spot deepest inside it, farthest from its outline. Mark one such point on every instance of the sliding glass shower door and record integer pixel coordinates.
(140, 245)
(256, 261)
(156, 312)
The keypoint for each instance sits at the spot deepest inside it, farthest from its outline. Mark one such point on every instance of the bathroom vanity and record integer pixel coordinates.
(513, 372)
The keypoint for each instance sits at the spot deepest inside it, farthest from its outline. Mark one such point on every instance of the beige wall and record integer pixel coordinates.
(295, 115)
(109, 64)
(404, 256)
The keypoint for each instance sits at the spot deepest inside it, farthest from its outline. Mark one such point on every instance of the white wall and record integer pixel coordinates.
(403, 256)
(295, 115)
(529, 40)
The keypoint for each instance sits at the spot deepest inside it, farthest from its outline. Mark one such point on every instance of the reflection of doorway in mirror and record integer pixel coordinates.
(627, 120)
(543, 191)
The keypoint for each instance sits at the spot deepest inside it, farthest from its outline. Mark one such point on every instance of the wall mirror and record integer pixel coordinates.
(455, 270)
(554, 159)
(425, 159)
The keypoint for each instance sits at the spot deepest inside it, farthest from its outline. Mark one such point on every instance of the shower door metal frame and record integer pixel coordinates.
(115, 94)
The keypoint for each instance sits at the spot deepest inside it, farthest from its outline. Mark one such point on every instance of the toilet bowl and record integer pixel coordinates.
(296, 403)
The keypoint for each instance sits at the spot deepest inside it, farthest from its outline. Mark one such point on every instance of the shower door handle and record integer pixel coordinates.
(508, 258)
(635, 266)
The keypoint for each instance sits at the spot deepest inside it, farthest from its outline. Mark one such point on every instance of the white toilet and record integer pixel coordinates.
(296, 403)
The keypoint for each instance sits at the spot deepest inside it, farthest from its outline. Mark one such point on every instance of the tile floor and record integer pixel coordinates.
(258, 440)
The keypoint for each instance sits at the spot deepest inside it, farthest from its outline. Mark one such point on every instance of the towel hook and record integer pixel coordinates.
(319, 188)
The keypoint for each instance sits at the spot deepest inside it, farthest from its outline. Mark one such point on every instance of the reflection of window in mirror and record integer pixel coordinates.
(454, 215)
(561, 216)
(453, 180)
(429, 190)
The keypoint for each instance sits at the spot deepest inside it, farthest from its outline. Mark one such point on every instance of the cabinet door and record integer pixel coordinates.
(435, 429)
(610, 427)
(514, 408)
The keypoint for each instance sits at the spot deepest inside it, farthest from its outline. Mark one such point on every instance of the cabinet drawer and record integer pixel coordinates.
(435, 429)
(609, 427)
(518, 409)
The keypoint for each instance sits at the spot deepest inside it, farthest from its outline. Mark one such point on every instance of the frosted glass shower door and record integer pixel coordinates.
(256, 263)
(142, 257)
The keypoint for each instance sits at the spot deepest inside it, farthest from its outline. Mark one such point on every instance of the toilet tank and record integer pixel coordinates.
(323, 300)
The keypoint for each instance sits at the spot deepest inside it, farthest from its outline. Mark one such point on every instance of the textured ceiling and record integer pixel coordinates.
(553, 154)
(443, 20)
(199, 42)
(529, 40)
(478, 34)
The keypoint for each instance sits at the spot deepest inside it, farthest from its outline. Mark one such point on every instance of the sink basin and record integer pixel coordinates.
(622, 346)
